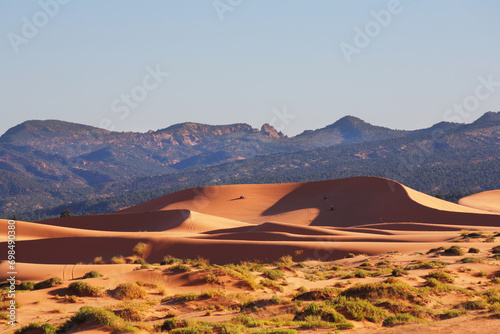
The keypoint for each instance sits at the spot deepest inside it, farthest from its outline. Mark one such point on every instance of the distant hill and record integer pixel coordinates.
(44, 165)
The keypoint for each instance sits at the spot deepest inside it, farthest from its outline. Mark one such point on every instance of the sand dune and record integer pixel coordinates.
(238, 222)
(485, 201)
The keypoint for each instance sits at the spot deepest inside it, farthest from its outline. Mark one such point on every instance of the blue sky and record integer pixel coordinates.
(248, 61)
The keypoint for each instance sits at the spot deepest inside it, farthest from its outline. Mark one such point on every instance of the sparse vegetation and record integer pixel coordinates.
(53, 281)
(129, 291)
(83, 289)
(454, 251)
(92, 274)
(139, 249)
(37, 327)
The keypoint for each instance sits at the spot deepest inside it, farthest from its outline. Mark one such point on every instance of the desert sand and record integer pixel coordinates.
(343, 223)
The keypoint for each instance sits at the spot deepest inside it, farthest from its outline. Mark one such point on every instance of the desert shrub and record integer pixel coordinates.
(211, 278)
(397, 272)
(473, 250)
(454, 251)
(185, 297)
(139, 261)
(53, 281)
(359, 309)
(482, 273)
(470, 260)
(274, 274)
(101, 316)
(318, 294)
(71, 299)
(169, 260)
(474, 235)
(495, 307)
(452, 314)
(441, 276)
(350, 256)
(37, 326)
(490, 239)
(475, 305)
(92, 274)
(83, 289)
(118, 260)
(496, 249)
(376, 291)
(359, 273)
(399, 319)
(139, 249)
(495, 280)
(129, 291)
(173, 323)
(426, 265)
(181, 267)
(366, 264)
(433, 250)
(27, 285)
(271, 285)
(98, 260)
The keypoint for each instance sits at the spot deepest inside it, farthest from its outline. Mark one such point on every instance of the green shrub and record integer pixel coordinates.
(173, 323)
(37, 326)
(397, 272)
(186, 297)
(169, 260)
(181, 267)
(386, 290)
(454, 251)
(473, 250)
(118, 260)
(360, 273)
(271, 285)
(359, 309)
(53, 281)
(496, 249)
(129, 291)
(139, 249)
(452, 314)
(83, 289)
(433, 250)
(274, 274)
(92, 274)
(101, 316)
(139, 261)
(317, 294)
(27, 285)
(475, 305)
(441, 276)
(469, 260)
(399, 319)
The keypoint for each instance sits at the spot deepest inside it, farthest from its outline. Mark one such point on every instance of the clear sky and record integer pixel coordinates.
(400, 64)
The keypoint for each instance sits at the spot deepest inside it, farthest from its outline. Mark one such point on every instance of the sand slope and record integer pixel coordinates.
(486, 201)
(324, 219)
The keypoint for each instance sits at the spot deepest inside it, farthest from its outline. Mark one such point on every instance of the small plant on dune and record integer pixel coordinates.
(27, 285)
(470, 260)
(169, 260)
(71, 299)
(37, 327)
(495, 307)
(186, 297)
(129, 291)
(274, 274)
(359, 309)
(173, 323)
(495, 280)
(98, 260)
(496, 250)
(181, 267)
(475, 305)
(397, 272)
(118, 260)
(92, 274)
(317, 294)
(473, 250)
(211, 278)
(434, 250)
(490, 239)
(454, 251)
(82, 289)
(441, 276)
(140, 249)
(104, 317)
(449, 314)
(139, 261)
(350, 256)
(399, 319)
(271, 285)
(53, 281)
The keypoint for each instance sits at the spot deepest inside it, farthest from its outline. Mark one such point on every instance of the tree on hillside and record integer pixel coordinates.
(66, 213)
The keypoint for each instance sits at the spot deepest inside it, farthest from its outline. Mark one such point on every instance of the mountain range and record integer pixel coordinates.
(48, 165)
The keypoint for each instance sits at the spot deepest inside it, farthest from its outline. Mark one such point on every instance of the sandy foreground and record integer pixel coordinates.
(318, 243)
